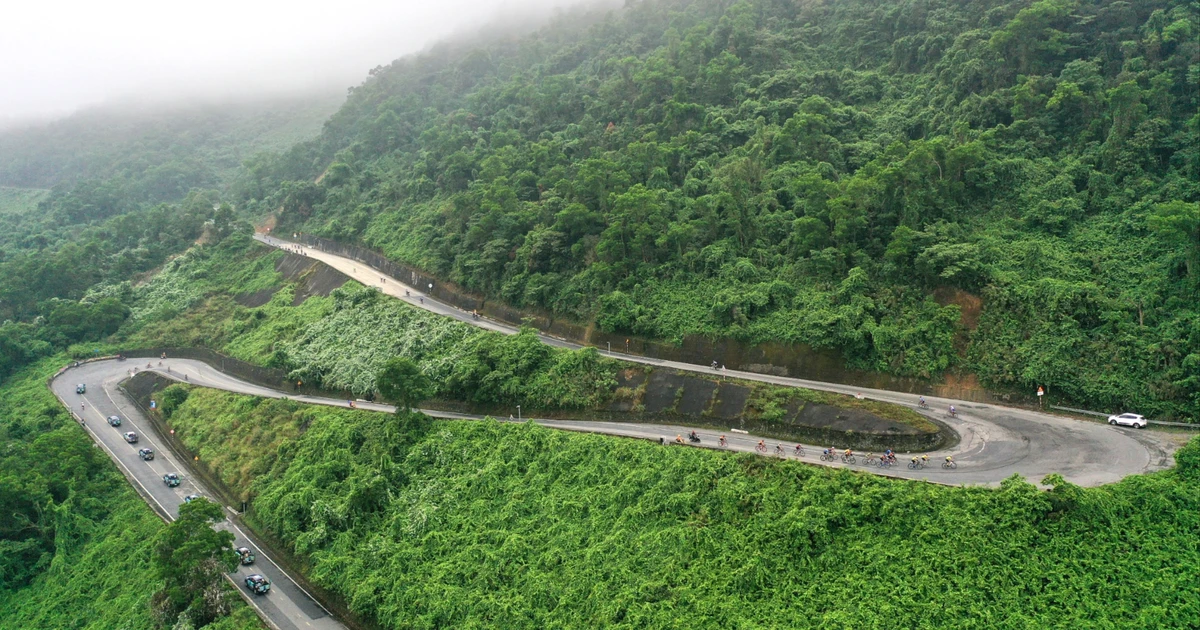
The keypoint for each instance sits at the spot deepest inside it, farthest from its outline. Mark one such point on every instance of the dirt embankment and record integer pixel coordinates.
(311, 278)
(786, 413)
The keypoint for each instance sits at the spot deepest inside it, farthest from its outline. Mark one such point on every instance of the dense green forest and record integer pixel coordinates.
(110, 161)
(49, 298)
(433, 524)
(1003, 187)
(76, 541)
(127, 190)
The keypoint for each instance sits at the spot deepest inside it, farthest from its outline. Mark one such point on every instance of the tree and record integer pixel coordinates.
(1179, 222)
(402, 382)
(192, 558)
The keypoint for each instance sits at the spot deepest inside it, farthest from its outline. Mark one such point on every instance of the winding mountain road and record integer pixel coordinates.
(995, 442)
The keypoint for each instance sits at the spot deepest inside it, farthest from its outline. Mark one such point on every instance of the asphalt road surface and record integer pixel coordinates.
(287, 606)
(995, 442)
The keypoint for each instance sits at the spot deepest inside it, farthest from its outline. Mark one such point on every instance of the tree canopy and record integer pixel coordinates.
(1006, 188)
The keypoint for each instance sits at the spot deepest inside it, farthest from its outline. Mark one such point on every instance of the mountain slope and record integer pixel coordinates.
(1003, 188)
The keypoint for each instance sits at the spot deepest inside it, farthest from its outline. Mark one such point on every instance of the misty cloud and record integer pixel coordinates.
(57, 56)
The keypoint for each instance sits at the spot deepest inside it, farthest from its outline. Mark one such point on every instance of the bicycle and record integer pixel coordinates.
(950, 465)
(916, 465)
(871, 460)
(722, 442)
(779, 450)
(849, 459)
(761, 448)
(923, 405)
(826, 456)
(799, 451)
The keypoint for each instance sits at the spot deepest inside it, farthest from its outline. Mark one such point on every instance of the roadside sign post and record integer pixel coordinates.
(1041, 392)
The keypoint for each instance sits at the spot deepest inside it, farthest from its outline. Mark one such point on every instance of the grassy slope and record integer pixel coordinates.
(99, 577)
(191, 304)
(482, 524)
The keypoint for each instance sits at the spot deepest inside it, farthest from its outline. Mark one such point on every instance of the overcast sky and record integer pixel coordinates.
(59, 55)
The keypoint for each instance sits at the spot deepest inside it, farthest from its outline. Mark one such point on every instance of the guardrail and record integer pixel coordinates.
(1162, 423)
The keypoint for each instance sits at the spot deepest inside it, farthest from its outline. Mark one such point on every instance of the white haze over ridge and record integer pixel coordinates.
(57, 56)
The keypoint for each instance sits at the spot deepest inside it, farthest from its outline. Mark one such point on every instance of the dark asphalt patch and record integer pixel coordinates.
(731, 400)
(697, 395)
(661, 391)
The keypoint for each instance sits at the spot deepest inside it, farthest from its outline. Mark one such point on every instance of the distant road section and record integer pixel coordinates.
(287, 606)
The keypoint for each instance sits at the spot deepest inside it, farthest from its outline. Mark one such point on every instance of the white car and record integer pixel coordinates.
(1128, 420)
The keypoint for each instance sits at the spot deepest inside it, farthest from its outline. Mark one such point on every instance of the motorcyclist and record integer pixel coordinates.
(693, 437)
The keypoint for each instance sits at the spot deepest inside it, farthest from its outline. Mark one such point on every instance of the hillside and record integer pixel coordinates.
(1003, 189)
(433, 524)
(115, 160)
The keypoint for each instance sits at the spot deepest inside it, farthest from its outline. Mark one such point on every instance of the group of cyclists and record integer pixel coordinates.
(888, 458)
(924, 405)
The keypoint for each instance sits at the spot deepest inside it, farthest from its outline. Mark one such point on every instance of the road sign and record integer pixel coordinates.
(1041, 392)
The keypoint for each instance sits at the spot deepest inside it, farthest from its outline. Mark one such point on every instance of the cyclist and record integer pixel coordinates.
(921, 403)
(778, 449)
(916, 461)
(722, 441)
(81, 406)
(762, 446)
(953, 412)
(799, 450)
(848, 453)
(924, 460)
(949, 459)
(678, 439)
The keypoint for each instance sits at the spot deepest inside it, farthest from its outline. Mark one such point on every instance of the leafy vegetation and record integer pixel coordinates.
(52, 298)
(483, 524)
(18, 202)
(345, 341)
(192, 557)
(76, 541)
(846, 174)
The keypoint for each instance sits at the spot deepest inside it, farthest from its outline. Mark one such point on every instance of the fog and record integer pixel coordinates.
(58, 56)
